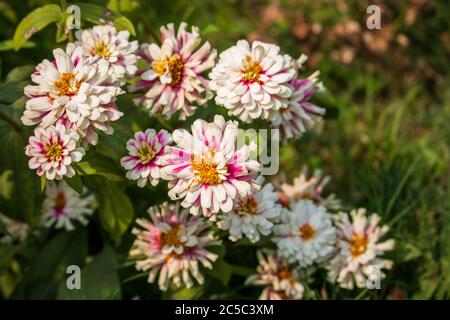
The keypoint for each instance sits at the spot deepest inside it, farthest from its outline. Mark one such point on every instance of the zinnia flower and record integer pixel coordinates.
(105, 42)
(52, 151)
(311, 188)
(359, 252)
(173, 80)
(63, 206)
(305, 234)
(174, 245)
(206, 169)
(15, 230)
(253, 81)
(144, 152)
(71, 87)
(253, 215)
(300, 113)
(280, 280)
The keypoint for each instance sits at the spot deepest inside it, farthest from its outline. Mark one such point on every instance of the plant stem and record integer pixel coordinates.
(63, 4)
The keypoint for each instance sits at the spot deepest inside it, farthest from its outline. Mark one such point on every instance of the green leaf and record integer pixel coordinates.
(6, 184)
(7, 253)
(34, 22)
(97, 164)
(94, 14)
(7, 45)
(221, 271)
(25, 200)
(49, 266)
(21, 73)
(99, 280)
(75, 183)
(11, 91)
(184, 293)
(115, 210)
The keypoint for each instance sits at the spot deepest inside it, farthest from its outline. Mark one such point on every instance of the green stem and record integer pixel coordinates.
(10, 121)
(63, 4)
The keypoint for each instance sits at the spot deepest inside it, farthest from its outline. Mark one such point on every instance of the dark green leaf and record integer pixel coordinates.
(21, 73)
(75, 183)
(99, 280)
(97, 164)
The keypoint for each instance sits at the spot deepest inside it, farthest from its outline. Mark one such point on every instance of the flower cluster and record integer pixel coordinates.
(359, 252)
(74, 96)
(257, 81)
(173, 244)
(173, 80)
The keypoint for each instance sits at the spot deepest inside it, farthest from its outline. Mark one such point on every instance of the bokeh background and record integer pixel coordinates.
(385, 141)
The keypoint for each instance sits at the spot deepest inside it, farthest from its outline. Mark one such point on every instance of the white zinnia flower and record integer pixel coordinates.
(144, 152)
(173, 80)
(71, 88)
(280, 280)
(15, 230)
(206, 170)
(63, 206)
(105, 42)
(311, 188)
(253, 215)
(52, 151)
(305, 234)
(174, 245)
(253, 81)
(359, 252)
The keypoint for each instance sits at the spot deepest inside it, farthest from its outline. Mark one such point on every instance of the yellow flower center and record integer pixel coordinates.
(60, 201)
(146, 154)
(206, 170)
(101, 50)
(251, 70)
(247, 207)
(359, 244)
(67, 85)
(54, 151)
(307, 232)
(174, 65)
(285, 273)
(172, 237)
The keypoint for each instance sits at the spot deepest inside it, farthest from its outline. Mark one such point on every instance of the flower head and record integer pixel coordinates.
(359, 252)
(71, 88)
(173, 244)
(310, 188)
(105, 42)
(300, 113)
(280, 280)
(144, 152)
(253, 81)
(206, 169)
(52, 151)
(173, 80)
(253, 215)
(63, 206)
(305, 234)
(15, 230)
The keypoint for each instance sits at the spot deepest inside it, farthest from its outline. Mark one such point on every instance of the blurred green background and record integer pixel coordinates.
(385, 142)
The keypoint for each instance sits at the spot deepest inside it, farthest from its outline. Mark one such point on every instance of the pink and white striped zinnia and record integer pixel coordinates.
(173, 80)
(144, 152)
(252, 81)
(174, 245)
(207, 169)
(52, 151)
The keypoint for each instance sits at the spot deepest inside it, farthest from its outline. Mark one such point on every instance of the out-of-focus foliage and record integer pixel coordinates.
(385, 142)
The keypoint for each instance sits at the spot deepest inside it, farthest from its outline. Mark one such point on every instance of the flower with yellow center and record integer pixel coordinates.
(171, 69)
(172, 237)
(206, 170)
(251, 70)
(146, 154)
(247, 207)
